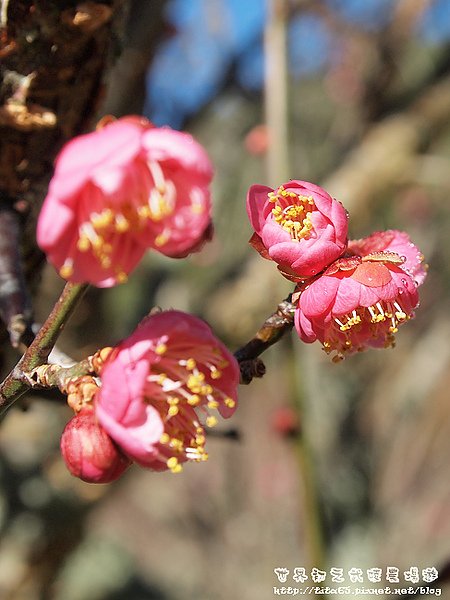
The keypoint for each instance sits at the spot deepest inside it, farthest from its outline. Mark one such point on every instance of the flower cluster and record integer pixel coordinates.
(350, 295)
(130, 186)
(159, 389)
(120, 190)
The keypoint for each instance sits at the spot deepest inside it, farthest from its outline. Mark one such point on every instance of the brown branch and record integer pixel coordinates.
(52, 59)
(56, 375)
(272, 330)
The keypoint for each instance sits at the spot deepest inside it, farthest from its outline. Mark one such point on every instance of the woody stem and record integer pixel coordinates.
(271, 331)
(311, 513)
(15, 384)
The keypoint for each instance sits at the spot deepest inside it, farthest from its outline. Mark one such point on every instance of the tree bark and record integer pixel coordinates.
(52, 58)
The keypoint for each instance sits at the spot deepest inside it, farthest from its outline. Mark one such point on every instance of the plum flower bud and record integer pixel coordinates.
(358, 302)
(120, 190)
(298, 225)
(89, 452)
(162, 385)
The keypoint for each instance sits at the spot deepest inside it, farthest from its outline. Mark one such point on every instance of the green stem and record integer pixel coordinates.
(311, 509)
(15, 384)
(42, 345)
(312, 517)
(50, 376)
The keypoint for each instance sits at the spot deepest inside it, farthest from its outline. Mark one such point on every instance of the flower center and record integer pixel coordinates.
(293, 212)
(374, 325)
(182, 390)
(148, 197)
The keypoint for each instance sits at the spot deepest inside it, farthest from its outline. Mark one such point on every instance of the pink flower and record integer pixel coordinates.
(298, 225)
(160, 384)
(117, 192)
(393, 241)
(357, 303)
(89, 453)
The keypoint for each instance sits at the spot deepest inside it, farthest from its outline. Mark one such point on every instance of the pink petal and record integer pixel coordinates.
(304, 327)
(114, 145)
(257, 197)
(372, 274)
(347, 296)
(137, 438)
(318, 298)
(165, 144)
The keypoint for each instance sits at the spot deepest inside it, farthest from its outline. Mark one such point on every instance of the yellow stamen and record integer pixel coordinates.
(173, 464)
(215, 373)
(122, 224)
(295, 218)
(121, 277)
(176, 444)
(103, 219)
(211, 421)
(173, 411)
(162, 238)
(66, 270)
(83, 244)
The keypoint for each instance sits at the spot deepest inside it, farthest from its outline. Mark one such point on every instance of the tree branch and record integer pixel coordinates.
(272, 330)
(15, 384)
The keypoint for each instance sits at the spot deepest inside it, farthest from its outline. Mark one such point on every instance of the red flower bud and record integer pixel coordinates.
(89, 452)
(285, 421)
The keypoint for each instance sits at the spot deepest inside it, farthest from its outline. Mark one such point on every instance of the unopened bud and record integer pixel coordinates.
(89, 452)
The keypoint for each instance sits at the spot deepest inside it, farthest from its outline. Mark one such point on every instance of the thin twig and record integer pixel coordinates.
(15, 384)
(51, 375)
(273, 329)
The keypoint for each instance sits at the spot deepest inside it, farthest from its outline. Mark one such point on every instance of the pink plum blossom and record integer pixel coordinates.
(298, 225)
(161, 386)
(358, 302)
(88, 451)
(120, 190)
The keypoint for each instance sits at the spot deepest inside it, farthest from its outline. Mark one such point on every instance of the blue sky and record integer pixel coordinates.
(216, 37)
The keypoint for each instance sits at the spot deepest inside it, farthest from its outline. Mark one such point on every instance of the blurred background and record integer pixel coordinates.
(326, 465)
